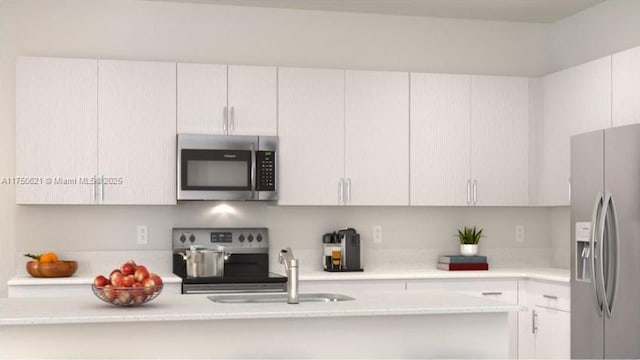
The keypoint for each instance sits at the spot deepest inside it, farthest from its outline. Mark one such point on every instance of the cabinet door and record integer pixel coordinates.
(377, 138)
(552, 337)
(137, 131)
(440, 106)
(576, 100)
(500, 140)
(252, 100)
(202, 98)
(626, 87)
(56, 126)
(311, 136)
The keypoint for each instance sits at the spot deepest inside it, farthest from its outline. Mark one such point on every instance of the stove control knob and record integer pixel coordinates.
(241, 238)
(250, 238)
(192, 238)
(259, 238)
(183, 238)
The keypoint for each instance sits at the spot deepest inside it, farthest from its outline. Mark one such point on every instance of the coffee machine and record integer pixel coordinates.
(341, 251)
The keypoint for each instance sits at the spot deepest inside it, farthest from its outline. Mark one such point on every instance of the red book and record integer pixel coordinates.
(463, 266)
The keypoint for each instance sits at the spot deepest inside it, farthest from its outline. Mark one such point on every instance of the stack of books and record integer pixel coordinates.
(459, 262)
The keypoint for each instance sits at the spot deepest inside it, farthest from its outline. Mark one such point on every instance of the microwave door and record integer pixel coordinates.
(207, 174)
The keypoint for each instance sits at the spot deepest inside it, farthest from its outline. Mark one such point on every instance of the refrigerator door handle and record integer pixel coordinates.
(613, 241)
(595, 280)
(602, 235)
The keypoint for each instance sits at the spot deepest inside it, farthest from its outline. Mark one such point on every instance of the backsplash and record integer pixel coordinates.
(413, 237)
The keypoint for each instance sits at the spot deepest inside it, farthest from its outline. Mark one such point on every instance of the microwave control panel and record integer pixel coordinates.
(266, 170)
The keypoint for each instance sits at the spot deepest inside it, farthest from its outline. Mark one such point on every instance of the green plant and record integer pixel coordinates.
(469, 236)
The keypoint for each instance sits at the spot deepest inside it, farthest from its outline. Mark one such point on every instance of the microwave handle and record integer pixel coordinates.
(253, 171)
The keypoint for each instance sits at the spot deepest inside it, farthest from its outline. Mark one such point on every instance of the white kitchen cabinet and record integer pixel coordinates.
(343, 137)
(501, 290)
(552, 333)
(311, 136)
(576, 100)
(56, 125)
(376, 135)
(202, 99)
(500, 140)
(469, 140)
(229, 100)
(626, 87)
(440, 157)
(545, 325)
(137, 132)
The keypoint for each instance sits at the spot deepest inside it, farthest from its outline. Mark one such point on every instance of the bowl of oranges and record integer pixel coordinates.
(48, 265)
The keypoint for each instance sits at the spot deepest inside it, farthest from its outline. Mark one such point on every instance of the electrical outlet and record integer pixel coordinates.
(520, 233)
(143, 234)
(377, 234)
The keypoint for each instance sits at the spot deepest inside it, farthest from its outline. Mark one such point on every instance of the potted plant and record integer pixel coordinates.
(469, 239)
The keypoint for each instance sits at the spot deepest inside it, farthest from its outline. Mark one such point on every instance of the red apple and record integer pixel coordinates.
(116, 278)
(124, 296)
(100, 281)
(128, 268)
(109, 292)
(137, 289)
(149, 286)
(132, 263)
(139, 299)
(156, 279)
(141, 273)
(127, 281)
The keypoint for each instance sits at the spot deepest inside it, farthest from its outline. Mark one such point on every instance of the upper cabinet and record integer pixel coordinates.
(440, 133)
(137, 132)
(576, 100)
(376, 138)
(626, 87)
(469, 140)
(227, 99)
(78, 120)
(343, 137)
(500, 140)
(311, 136)
(56, 126)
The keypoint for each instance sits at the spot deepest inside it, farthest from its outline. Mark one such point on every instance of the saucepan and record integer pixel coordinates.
(204, 262)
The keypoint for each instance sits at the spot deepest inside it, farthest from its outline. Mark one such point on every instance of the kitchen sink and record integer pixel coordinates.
(276, 298)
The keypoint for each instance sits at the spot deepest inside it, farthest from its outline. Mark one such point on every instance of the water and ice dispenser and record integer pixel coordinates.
(583, 251)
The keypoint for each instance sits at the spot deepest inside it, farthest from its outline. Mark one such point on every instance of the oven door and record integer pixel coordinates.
(212, 167)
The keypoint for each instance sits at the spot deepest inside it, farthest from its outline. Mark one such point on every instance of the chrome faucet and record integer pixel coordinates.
(291, 267)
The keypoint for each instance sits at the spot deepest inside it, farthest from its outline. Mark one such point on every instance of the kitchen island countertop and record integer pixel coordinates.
(171, 307)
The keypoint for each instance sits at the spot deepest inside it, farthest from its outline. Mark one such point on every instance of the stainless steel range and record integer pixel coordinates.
(246, 260)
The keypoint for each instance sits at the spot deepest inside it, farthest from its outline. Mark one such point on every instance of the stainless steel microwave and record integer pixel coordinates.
(227, 167)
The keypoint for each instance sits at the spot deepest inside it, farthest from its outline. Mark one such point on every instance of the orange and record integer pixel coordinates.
(48, 257)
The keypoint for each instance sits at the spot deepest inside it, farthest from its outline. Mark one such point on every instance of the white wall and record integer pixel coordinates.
(602, 30)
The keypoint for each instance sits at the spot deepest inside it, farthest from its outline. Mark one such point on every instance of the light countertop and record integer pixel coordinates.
(549, 274)
(170, 307)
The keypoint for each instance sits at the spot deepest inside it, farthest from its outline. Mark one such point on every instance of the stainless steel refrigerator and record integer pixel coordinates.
(605, 244)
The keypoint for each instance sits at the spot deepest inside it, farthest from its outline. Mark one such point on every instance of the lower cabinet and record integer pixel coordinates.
(545, 326)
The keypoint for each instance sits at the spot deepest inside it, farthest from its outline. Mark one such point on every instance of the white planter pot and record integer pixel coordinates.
(469, 249)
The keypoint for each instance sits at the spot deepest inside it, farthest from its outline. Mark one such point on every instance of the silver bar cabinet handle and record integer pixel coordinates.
(348, 190)
(468, 191)
(475, 191)
(95, 189)
(102, 188)
(486, 293)
(341, 191)
(534, 320)
(225, 120)
(232, 120)
(552, 297)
